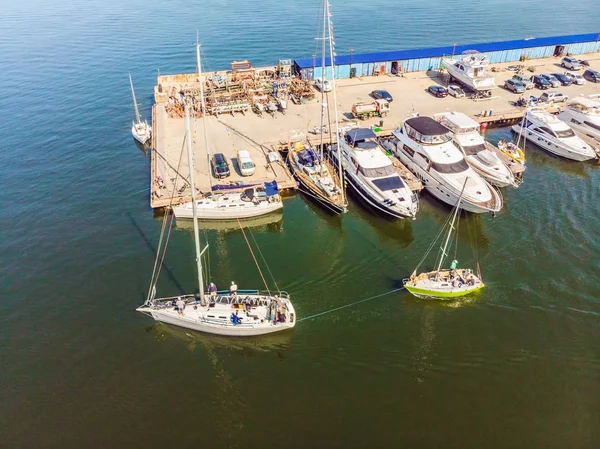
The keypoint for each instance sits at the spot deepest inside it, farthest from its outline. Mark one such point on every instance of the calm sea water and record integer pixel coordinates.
(517, 366)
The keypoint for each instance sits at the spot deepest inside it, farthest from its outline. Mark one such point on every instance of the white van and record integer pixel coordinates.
(247, 167)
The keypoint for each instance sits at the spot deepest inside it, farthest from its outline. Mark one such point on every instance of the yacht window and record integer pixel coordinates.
(391, 183)
(378, 172)
(566, 133)
(454, 167)
(408, 150)
(545, 130)
(472, 150)
(592, 125)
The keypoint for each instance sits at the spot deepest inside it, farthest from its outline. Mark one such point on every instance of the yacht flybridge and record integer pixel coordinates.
(425, 147)
(583, 115)
(554, 135)
(471, 70)
(372, 176)
(476, 150)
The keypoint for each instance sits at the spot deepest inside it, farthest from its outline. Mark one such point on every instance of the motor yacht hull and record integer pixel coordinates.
(359, 188)
(580, 129)
(503, 178)
(475, 84)
(552, 146)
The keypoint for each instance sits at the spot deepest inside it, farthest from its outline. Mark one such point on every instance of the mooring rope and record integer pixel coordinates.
(254, 257)
(351, 304)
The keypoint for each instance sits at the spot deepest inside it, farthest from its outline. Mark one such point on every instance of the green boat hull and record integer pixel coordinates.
(421, 292)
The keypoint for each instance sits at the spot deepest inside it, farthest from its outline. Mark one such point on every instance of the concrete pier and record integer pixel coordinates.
(259, 134)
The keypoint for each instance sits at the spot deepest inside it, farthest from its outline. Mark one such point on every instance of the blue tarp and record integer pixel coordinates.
(271, 188)
(308, 157)
(435, 52)
(357, 134)
(388, 183)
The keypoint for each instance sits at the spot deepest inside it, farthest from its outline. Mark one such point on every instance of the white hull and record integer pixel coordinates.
(485, 83)
(142, 132)
(235, 208)
(502, 177)
(575, 123)
(556, 146)
(216, 320)
(446, 193)
(376, 198)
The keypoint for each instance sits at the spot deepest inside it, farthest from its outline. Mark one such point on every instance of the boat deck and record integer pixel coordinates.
(514, 166)
(411, 180)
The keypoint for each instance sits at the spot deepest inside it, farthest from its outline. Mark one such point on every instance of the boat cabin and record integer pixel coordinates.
(458, 123)
(361, 138)
(427, 131)
(473, 63)
(584, 106)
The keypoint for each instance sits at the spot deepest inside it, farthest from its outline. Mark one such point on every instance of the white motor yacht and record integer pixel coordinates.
(425, 147)
(470, 70)
(252, 202)
(478, 153)
(373, 177)
(554, 135)
(583, 115)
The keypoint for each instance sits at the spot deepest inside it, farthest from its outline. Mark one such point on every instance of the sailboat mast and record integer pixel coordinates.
(323, 50)
(335, 105)
(457, 208)
(188, 138)
(135, 105)
(198, 62)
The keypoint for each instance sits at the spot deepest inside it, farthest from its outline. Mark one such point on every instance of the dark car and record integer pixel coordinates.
(383, 94)
(220, 166)
(562, 78)
(540, 82)
(592, 75)
(438, 91)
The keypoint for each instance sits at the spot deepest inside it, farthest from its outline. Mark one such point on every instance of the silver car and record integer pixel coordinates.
(514, 86)
(571, 63)
(551, 79)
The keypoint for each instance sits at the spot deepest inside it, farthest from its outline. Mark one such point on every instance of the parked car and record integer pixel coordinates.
(553, 97)
(592, 75)
(565, 81)
(323, 84)
(438, 91)
(551, 79)
(247, 167)
(514, 86)
(456, 91)
(524, 80)
(220, 165)
(541, 82)
(575, 78)
(382, 94)
(571, 63)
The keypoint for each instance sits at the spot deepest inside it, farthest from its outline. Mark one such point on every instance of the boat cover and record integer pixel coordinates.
(308, 157)
(367, 145)
(427, 126)
(271, 188)
(357, 134)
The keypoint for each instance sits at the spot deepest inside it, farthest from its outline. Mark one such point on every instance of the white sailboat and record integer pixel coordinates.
(252, 202)
(141, 131)
(445, 283)
(315, 173)
(244, 313)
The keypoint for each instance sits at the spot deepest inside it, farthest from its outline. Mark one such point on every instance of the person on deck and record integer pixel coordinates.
(212, 289)
(233, 289)
(454, 264)
(180, 305)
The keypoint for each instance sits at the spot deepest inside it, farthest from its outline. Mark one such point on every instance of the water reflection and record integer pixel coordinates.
(277, 343)
(272, 222)
(388, 228)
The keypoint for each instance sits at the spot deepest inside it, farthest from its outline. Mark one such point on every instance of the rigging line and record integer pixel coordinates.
(335, 309)
(434, 241)
(207, 253)
(457, 237)
(158, 249)
(254, 257)
(167, 213)
(264, 260)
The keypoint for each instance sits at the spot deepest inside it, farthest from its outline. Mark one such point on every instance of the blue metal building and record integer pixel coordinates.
(367, 64)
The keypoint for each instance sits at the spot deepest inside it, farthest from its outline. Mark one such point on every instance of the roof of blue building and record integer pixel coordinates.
(434, 52)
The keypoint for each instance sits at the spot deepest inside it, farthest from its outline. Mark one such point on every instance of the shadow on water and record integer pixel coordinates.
(153, 250)
(143, 148)
(541, 158)
(272, 223)
(278, 343)
(333, 219)
(396, 229)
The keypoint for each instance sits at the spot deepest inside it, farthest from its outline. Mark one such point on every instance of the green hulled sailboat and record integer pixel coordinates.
(445, 283)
